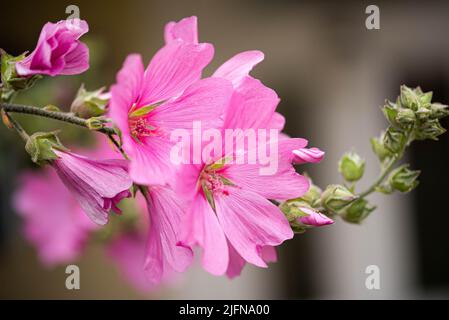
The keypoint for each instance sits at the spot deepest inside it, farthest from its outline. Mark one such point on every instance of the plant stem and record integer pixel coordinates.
(393, 161)
(17, 127)
(61, 116)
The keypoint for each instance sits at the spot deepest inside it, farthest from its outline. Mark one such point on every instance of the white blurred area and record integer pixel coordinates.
(323, 58)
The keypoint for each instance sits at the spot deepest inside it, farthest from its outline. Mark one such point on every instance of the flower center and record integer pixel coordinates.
(140, 128)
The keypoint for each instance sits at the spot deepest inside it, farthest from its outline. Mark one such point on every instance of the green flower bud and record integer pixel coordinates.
(405, 117)
(88, 104)
(379, 149)
(95, 123)
(403, 179)
(41, 146)
(357, 211)
(438, 110)
(394, 140)
(351, 166)
(336, 197)
(430, 129)
(409, 98)
(390, 111)
(10, 79)
(423, 114)
(425, 99)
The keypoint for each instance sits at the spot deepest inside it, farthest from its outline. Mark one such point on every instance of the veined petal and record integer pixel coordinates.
(239, 66)
(174, 67)
(250, 223)
(201, 227)
(185, 30)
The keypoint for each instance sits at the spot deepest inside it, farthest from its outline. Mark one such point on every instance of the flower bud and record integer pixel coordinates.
(41, 146)
(394, 140)
(95, 123)
(403, 179)
(390, 111)
(357, 211)
(313, 218)
(438, 110)
(307, 155)
(405, 117)
(430, 129)
(10, 79)
(336, 197)
(379, 149)
(351, 166)
(89, 104)
(409, 98)
(312, 196)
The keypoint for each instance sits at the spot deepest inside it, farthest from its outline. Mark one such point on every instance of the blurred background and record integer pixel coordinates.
(332, 75)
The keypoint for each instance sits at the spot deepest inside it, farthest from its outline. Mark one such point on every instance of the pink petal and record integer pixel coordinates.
(239, 66)
(126, 91)
(237, 263)
(251, 222)
(174, 67)
(128, 252)
(284, 184)
(185, 30)
(53, 221)
(203, 101)
(77, 60)
(307, 155)
(201, 227)
(314, 218)
(252, 106)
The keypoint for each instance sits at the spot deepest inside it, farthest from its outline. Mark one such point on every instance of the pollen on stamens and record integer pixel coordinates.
(140, 128)
(213, 182)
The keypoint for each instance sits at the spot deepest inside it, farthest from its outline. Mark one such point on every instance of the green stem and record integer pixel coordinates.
(61, 116)
(17, 127)
(388, 168)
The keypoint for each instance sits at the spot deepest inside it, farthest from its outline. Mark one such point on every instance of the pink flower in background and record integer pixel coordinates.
(128, 252)
(308, 155)
(148, 105)
(53, 220)
(58, 50)
(165, 253)
(97, 185)
(314, 218)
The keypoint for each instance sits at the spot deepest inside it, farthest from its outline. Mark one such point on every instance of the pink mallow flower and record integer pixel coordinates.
(53, 221)
(98, 185)
(148, 104)
(307, 155)
(58, 50)
(314, 218)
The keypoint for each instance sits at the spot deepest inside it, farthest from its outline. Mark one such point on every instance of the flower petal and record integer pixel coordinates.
(186, 30)
(201, 227)
(251, 222)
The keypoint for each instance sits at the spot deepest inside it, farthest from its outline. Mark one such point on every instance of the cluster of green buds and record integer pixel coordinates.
(412, 117)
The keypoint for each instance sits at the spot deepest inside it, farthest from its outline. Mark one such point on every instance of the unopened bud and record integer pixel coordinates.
(409, 98)
(379, 149)
(394, 140)
(336, 197)
(403, 179)
(405, 117)
(89, 104)
(357, 211)
(351, 166)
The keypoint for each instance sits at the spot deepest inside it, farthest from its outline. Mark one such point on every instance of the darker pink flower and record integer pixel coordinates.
(53, 220)
(97, 185)
(314, 218)
(308, 155)
(58, 50)
(148, 104)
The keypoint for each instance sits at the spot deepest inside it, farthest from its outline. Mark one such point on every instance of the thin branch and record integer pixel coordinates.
(60, 116)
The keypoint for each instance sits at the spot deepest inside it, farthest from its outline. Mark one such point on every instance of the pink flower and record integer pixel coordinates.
(314, 218)
(128, 252)
(165, 253)
(53, 220)
(148, 105)
(97, 185)
(306, 155)
(58, 50)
